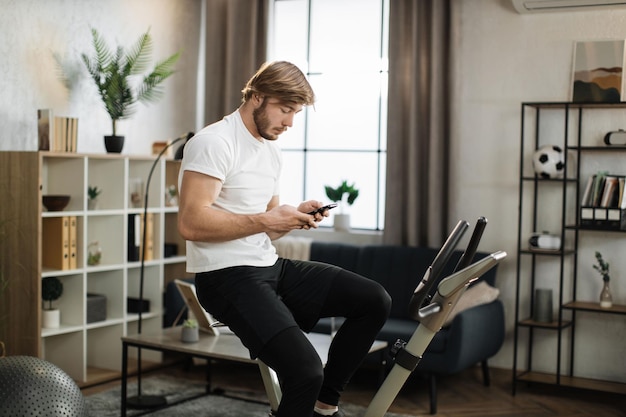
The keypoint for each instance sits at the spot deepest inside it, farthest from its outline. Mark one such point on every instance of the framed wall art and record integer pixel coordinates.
(598, 71)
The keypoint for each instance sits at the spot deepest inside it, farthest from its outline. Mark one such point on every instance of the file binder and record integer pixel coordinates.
(55, 252)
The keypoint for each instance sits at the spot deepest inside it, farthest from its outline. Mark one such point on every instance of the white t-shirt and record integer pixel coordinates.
(249, 171)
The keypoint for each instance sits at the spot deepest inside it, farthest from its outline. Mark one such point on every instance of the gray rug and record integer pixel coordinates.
(107, 403)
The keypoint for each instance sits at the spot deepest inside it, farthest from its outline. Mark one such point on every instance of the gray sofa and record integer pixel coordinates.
(473, 336)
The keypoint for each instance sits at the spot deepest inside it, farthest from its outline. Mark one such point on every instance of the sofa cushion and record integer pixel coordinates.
(481, 293)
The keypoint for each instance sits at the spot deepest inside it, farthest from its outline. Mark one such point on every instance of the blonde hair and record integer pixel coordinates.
(281, 80)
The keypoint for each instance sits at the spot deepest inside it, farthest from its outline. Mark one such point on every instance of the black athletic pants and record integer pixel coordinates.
(267, 308)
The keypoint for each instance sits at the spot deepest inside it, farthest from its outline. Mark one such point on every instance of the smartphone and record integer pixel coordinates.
(322, 209)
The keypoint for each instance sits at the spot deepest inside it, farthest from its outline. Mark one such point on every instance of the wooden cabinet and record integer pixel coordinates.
(88, 351)
(555, 205)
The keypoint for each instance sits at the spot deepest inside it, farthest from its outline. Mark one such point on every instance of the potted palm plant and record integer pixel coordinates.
(345, 195)
(113, 71)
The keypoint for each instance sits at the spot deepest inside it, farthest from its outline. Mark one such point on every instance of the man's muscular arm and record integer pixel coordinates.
(199, 221)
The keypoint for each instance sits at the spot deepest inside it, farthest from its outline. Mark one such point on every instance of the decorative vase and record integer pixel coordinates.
(606, 299)
(542, 311)
(341, 222)
(135, 186)
(114, 144)
(51, 319)
(189, 334)
(94, 254)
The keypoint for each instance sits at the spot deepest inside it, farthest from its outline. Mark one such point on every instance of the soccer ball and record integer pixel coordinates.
(548, 162)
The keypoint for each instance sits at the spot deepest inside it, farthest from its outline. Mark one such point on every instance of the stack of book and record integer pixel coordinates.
(59, 243)
(603, 205)
(56, 134)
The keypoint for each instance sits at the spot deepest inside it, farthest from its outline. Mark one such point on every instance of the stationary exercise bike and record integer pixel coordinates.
(431, 303)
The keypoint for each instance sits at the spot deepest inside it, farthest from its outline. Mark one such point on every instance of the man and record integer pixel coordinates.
(229, 212)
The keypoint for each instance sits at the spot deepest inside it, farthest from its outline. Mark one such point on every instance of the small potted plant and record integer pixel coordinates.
(113, 72)
(51, 290)
(190, 332)
(92, 193)
(606, 299)
(345, 195)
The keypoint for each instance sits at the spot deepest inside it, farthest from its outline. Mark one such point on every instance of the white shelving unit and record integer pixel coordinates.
(88, 352)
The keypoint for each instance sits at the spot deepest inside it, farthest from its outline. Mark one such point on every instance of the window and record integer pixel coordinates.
(341, 45)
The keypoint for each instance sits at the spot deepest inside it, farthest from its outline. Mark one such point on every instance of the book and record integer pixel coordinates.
(587, 193)
(608, 191)
(621, 201)
(65, 134)
(72, 139)
(55, 252)
(149, 253)
(598, 186)
(45, 124)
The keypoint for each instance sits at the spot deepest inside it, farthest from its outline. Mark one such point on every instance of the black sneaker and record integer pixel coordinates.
(337, 413)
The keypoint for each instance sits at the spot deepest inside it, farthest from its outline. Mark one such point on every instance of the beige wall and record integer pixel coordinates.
(502, 59)
(32, 30)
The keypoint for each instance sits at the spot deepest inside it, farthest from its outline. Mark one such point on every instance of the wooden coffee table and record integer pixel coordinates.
(225, 346)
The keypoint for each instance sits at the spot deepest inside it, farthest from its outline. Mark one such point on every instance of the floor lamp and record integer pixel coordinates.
(149, 401)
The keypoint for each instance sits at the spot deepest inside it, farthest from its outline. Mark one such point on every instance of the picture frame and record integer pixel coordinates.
(206, 322)
(597, 75)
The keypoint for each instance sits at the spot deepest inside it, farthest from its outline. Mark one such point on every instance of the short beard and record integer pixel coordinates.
(261, 122)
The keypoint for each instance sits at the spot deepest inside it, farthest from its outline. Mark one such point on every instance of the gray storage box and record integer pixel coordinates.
(96, 308)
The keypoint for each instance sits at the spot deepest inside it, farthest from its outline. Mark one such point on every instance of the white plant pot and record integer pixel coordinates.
(51, 319)
(341, 222)
(189, 334)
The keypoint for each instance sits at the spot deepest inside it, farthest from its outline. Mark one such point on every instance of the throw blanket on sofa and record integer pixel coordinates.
(292, 247)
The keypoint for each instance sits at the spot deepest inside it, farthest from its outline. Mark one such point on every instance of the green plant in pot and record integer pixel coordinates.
(92, 197)
(51, 290)
(113, 73)
(345, 195)
(190, 332)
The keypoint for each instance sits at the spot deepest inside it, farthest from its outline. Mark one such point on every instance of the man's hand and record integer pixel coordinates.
(285, 218)
(310, 207)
